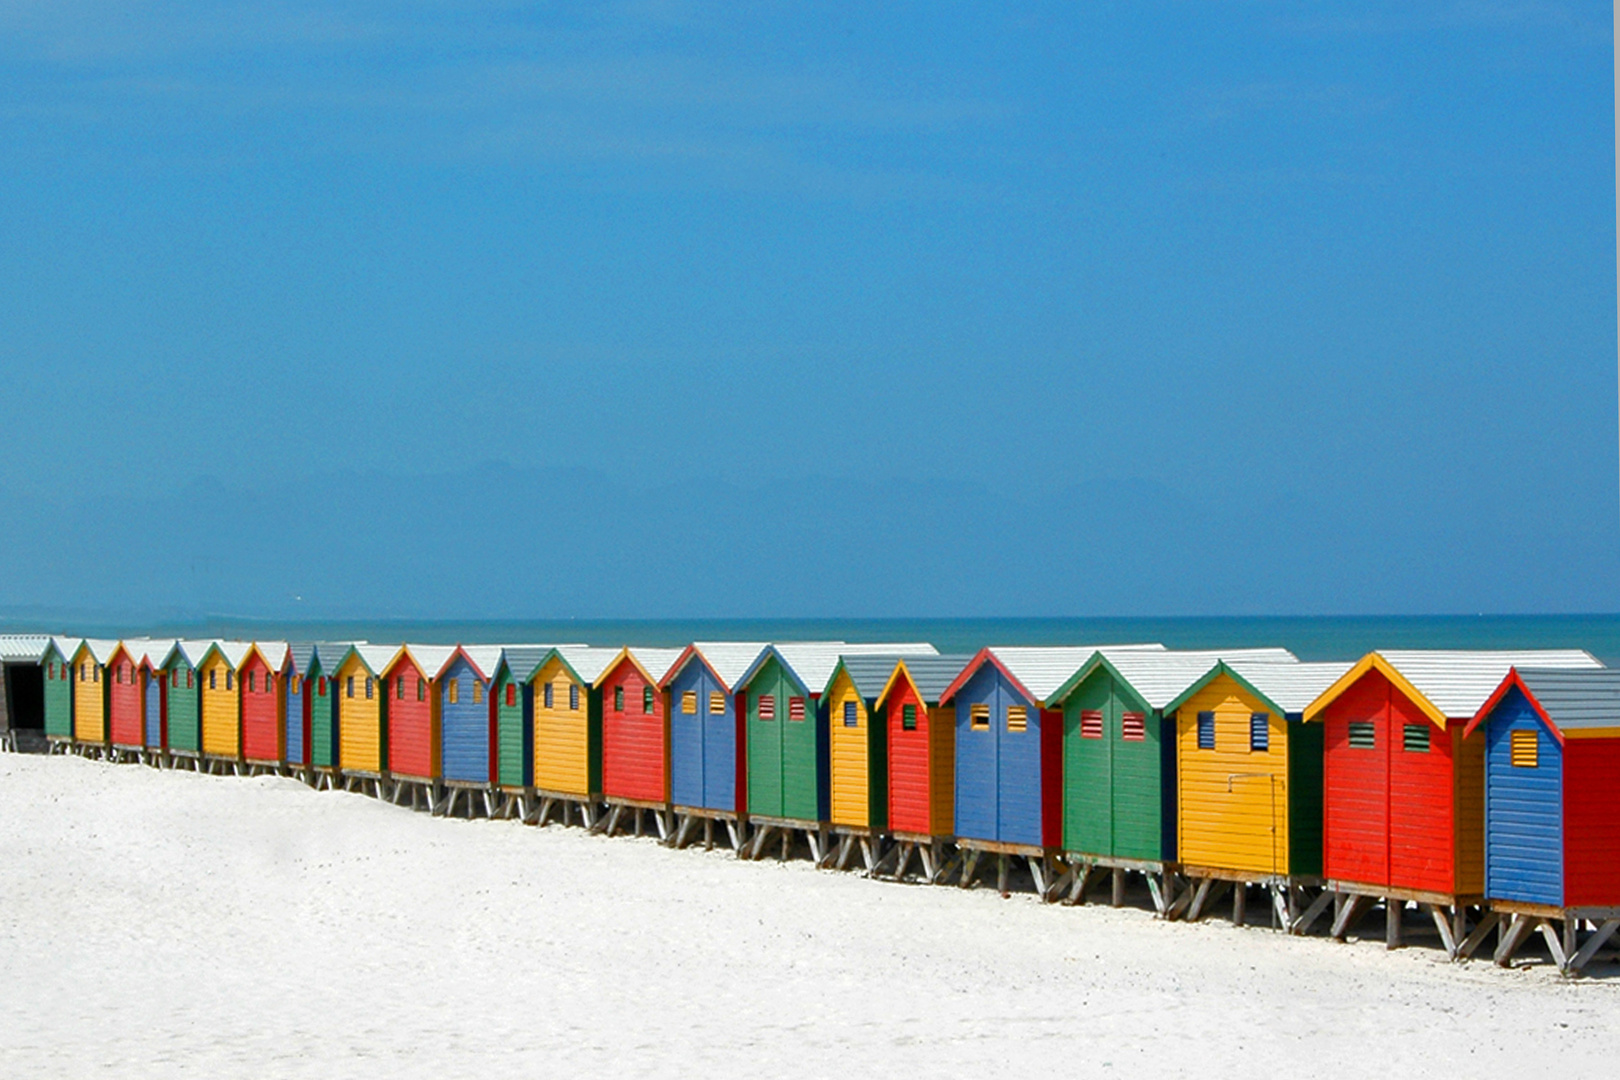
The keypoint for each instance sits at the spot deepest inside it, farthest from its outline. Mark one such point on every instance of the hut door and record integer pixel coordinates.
(1088, 805)
(719, 744)
(1017, 727)
(767, 713)
(1357, 784)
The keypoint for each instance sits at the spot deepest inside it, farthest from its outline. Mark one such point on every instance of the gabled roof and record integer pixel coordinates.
(524, 660)
(301, 653)
(273, 652)
(429, 659)
(1286, 688)
(330, 654)
(23, 648)
(1158, 676)
(1036, 670)
(585, 663)
(484, 660)
(66, 646)
(653, 663)
(376, 659)
(726, 660)
(189, 652)
(874, 675)
(811, 663)
(153, 651)
(234, 652)
(100, 649)
(1572, 702)
(1449, 684)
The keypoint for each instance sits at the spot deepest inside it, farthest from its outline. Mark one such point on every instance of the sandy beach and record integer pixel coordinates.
(172, 924)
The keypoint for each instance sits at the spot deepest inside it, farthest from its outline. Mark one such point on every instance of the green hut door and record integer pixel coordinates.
(767, 712)
(1091, 723)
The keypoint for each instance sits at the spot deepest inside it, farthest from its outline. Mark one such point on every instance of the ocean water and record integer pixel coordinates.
(1310, 637)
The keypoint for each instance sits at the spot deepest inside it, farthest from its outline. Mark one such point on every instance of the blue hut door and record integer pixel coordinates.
(686, 729)
(719, 744)
(1018, 767)
(154, 709)
(977, 768)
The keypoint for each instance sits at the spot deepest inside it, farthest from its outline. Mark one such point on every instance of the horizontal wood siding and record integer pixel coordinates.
(633, 739)
(261, 712)
(1524, 834)
(58, 696)
(294, 715)
(977, 766)
(183, 709)
(152, 712)
(1422, 833)
(703, 745)
(1356, 784)
(1232, 801)
(1304, 798)
(850, 759)
(1591, 823)
(1468, 796)
(411, 743)
(324, 749)
(124, 701)
(221, 708)
(359, 719)
(89, 701)
(514, 757)
(911, 765)
(562, 736)
(464, 723)
(766, 749)
(942, 770)
(1088, 805)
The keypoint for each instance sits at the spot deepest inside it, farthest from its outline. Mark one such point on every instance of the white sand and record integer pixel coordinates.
(166, 923)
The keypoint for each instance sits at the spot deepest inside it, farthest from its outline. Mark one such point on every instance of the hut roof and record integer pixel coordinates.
(191, 652)
(65, 646)
(234, 652)
(274, 653)
(1157, 677)
(653, 662)
(1037, 670)
(930, 674)
(1449, 684)
(429, 659)
(1572, 701)
(1287, 688)
(485, 659)
(812, 663)
(301, 653)
(23, 648)
(585, 663)
(101, 649)
(374, 658)
(728, 660)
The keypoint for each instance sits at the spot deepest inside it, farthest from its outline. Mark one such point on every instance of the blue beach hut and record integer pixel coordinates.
(706, 782)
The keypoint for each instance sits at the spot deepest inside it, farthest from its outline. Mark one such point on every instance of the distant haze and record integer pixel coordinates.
(663, 310)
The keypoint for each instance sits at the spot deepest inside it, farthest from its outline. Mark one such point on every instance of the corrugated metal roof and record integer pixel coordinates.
(812, 663)
(587, 661)
(1289, 686)
(1158, 678)
(301, 653)
(66, 646)
(655, 662)
(1042, 669)
(190, 651)
(1458, 682)
(484, 658)
(376, 658)
(1575, 698)
(931, 674)
(23, 648)
(727, 659)
(331, 653)
(154, 651)
(234, 652)
(522, 660)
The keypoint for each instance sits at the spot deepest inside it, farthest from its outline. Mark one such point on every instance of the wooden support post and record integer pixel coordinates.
(970, 863)
(1443, 925)
(611, 823)
(1352, 910)
(1156, 891)
(1307, 919)
(1200, 896)
(681, 833)
(1063, 883)
(1037, 871)
(1077, 890)
(1489, 921)
(1555, 944)
(905, 851)
(866, 855)
(1240, 904)
(661, 819)
(1282, 906)
(734, 829)
(1599, 936)
(1117, 899)
(1002, 865)
(1512, 936)
(1393, 910)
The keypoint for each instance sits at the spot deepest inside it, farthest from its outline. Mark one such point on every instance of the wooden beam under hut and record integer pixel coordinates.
(632, 816)
(1574, 936)
(695, 824)
(768, 833)
(563, 806)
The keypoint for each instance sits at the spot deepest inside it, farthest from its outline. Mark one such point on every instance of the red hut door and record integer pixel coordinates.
(1356, 783)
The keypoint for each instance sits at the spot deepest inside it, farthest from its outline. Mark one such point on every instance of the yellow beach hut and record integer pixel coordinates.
(568, 730)
(1249, 786)
(220, 704)
(89, 671)
(362, 749)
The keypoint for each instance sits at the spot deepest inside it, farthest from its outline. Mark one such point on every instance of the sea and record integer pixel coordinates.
(1309, 637)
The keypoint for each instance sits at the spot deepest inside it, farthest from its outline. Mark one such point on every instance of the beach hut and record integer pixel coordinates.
(1009, 757)
(321, 690)
(890, 771)
(705, 776)
(1403, 792)
(361, 717)
(58, 663)
(220, 702)
(183, 707)
(155, 693)
(1551, 742)
(126, 701)
(514, 729)
(297, 695)
(635, 739)
(1249, 788)
(412, 716)
(788, 740)
(1118, 800)
(568, 731)
(22, 692)
(258, 680)
(89, 666)
(468, 718)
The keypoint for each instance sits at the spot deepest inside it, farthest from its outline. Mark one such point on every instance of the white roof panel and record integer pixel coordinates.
(376, 657)
(23, 648)
(1458, 682)
(101, 649)
(486, 658)
(1042, 669)
(813, 662)
(429, 658)
(729, 659)
(1291, 686)
(274, 653)
(656, 662)
(588, 661)
(1159, 677)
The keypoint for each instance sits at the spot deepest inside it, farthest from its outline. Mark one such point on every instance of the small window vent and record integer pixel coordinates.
(908, 718)
(767, 706)
(1525, 750)
(979, 717)
(1091, 724)
(1206, 731)
(1363, 735)
(1017, 718)
(1133, 727)
(796, 708)
(1415, 738)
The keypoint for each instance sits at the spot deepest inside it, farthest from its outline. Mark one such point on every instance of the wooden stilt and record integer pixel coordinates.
(1001, 874)
(1117, 894)
(970, 863)
(1393, 910)
(1240, 898)
(1308, 917)
(1512, 936)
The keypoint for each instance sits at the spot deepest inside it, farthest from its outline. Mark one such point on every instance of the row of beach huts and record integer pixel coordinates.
(1472, 797)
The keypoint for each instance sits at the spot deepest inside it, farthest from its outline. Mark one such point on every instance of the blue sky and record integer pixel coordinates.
(665, 309)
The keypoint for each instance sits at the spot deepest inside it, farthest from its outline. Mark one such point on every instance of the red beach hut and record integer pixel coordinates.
(262, 730)
(414, 761)
(635, 737)
(125, 702)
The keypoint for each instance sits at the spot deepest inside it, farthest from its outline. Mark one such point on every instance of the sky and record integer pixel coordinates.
(668, 309)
